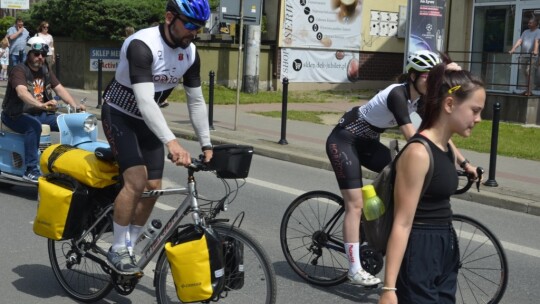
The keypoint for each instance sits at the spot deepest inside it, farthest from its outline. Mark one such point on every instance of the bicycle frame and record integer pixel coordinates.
(158, 242)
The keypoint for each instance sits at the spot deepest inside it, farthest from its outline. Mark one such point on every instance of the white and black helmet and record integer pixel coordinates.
(422, 61)
(37, 44)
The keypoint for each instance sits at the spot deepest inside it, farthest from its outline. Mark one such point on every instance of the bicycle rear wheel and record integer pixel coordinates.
(258, 282)
(483, 269)
(75, 265)
(312, 238)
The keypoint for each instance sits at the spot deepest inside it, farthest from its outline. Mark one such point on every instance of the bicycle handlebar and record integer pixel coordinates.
(470, 180)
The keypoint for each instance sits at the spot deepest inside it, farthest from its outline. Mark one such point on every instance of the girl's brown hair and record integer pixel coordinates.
(441, 83)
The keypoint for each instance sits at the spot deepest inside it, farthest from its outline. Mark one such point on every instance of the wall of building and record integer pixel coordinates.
(220, 58)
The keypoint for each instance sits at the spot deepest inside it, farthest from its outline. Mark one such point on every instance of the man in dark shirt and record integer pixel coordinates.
(29, 103)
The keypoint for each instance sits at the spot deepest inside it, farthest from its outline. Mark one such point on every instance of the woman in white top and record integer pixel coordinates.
(43, 32)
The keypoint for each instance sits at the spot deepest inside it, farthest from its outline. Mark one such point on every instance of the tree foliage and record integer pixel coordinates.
(94, 20)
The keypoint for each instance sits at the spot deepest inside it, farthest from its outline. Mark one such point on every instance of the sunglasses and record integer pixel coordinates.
(37, 53)
(188, 24)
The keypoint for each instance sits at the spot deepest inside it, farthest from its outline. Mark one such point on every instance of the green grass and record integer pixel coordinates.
(309, 116)
(514, 140)
(227, 96)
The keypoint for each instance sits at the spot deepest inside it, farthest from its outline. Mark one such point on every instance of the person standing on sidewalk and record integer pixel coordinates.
(28, 102)
(529, 49)
(43, 32)
(17, 36)
(422, 256)
(152, 63)
(355, 142)
(4, 58)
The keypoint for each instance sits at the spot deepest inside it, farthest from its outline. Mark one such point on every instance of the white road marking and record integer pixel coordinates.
(273, 186)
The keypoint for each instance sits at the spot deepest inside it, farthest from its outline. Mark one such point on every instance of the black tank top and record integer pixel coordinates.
(434, 206)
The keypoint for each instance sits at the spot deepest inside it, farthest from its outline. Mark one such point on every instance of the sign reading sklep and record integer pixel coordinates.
(109, 56)
(15, 4)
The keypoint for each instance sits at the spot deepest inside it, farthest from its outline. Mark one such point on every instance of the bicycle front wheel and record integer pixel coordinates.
(75, 263)
(257, 283)
(311, 237)
(483, 269)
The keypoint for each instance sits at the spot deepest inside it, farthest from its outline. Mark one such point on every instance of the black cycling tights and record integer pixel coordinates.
(347, 153)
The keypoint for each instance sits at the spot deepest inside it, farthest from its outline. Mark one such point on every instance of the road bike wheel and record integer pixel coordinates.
(312, 238)
(483, 269)
(259, 281)
(75, 267)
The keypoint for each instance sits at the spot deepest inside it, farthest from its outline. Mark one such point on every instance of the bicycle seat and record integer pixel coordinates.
(104, 154)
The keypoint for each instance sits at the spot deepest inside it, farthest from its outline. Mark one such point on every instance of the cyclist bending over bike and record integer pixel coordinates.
(355, 142)
(152, 63)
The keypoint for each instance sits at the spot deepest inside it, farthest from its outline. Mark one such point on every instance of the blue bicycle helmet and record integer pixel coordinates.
(196, 10)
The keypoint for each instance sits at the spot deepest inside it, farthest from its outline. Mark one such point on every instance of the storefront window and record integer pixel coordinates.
(492, 39)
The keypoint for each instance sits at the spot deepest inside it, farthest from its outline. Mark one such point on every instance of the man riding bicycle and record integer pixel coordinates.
(152, 63)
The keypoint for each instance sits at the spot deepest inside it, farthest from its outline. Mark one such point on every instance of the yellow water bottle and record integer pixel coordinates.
(373, 205)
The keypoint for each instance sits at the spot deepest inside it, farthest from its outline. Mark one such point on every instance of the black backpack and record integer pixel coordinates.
(377, 232)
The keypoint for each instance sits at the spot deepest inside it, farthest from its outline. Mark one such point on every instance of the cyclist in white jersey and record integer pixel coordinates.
(153, 62)
(354, 142)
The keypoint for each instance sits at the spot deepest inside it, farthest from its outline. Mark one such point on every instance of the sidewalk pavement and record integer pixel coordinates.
(518, 179)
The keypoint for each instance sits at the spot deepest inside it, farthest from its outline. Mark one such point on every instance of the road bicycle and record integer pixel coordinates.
(81, 268)
(312, 242)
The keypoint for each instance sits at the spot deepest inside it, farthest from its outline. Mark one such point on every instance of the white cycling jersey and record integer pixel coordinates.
(389, 108)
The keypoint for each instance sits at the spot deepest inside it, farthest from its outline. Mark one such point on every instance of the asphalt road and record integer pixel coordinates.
(271, 186)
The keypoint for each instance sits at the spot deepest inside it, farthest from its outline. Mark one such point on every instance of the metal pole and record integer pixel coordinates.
(211, 101)
(99, 82)
(491, 182)
(238, 71)
(283, 140)
(57, 65)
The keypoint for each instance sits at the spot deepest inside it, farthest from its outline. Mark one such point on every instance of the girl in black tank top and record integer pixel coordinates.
(422, 253)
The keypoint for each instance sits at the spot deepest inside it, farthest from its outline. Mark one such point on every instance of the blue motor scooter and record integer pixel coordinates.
(76, 129)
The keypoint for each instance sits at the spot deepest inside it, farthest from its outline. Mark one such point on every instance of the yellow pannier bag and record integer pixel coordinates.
(63, 207)
(82, 165)
(196, 260)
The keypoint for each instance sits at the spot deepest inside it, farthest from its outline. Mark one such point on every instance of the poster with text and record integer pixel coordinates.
(15, 4)
(300, 65)
(321, 24)
(426, 25)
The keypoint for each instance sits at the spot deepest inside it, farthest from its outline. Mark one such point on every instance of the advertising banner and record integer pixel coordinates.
(319, 65)
(15, 4)
(426, 25)
(321, 24)
(109, 56)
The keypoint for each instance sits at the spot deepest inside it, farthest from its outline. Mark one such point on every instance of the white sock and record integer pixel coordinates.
(120, 236)
(134, 232)
(353, 254)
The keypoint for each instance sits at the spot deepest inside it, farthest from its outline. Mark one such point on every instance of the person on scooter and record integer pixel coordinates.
(29, 103)
(153, 61)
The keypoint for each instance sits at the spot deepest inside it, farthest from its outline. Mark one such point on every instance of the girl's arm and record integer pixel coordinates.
(411, 169)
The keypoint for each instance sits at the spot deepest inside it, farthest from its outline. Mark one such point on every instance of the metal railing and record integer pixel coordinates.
(516, 73)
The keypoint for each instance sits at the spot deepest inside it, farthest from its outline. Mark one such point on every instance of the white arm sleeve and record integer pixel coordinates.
(150, 111)
(198, 114)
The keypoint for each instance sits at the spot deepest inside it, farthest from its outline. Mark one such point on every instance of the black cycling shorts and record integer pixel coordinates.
(347, 153)
(132, 142)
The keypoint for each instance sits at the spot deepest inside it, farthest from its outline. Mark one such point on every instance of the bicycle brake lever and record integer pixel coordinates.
(480, 173)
